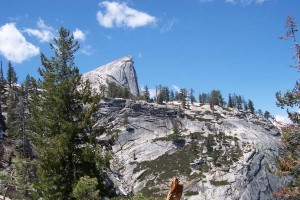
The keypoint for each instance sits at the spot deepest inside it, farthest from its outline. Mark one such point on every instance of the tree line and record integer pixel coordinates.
(214, 98)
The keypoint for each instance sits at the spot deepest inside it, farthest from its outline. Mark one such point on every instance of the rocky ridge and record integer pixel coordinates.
(121, 72)
(225, 154)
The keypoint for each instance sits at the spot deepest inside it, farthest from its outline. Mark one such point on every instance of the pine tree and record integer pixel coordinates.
(182, 97)
(191, 96)
(1, 72)
(146, 94)
(239, 102)
(260, 112)
(251, 106)
(215, 97)
(267, 115)
(12, 100)
(63, 132)
(230, 103)
(176, 96)
(290, 133)
(11, 75)
(2, 89)
(204, 98)
(172, 95)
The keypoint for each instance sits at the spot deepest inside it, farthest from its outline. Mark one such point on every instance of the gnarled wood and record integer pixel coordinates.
(176, 190)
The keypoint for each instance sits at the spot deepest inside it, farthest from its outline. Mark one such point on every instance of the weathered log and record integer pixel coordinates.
(176, 190)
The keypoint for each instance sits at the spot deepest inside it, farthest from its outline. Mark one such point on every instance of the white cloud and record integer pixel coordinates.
(246, 2)
(87, 50)
(79, 34)
(120, 15)
(168, 26)
(231, 1)
(44, 33)
(152, 92)
(205, 1)
(176, 88)
(281, 120)
(13, 45)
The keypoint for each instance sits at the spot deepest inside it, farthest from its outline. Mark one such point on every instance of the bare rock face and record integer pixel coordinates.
(121, 72)
(225, 154)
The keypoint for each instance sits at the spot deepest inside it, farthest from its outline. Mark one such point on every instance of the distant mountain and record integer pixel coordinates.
(121, 72)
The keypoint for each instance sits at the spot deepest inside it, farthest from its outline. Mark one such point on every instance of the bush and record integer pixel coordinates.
(86, 189)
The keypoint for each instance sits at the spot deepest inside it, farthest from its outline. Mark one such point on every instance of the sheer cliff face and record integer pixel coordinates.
(225, 154)
(121, 72)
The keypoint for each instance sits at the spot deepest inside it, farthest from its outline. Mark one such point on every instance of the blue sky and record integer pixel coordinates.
(230, 45)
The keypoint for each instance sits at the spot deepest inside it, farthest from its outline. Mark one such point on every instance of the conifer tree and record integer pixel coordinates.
(251, 106)
(172, 95)
(12, 101)
(63, 132)
(216, 97)
(146, 94)
(267, 115)
(260, 112)
(11, 75)
(230, 103)
(176, 96)
(182, 97)
(191, 96)
(2, 89)
(239, 102)
(290, 133)
(1, 72)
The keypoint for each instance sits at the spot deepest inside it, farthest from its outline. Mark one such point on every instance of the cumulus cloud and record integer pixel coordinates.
(13, 45)
(116, 14)
(79, 34)
(44, 33)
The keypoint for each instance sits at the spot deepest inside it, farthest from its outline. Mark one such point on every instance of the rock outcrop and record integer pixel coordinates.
(121, 72)
(225, 154)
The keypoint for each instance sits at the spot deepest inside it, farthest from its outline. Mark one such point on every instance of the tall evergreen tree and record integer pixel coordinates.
(230, 103)
(176, 96)
(290, 133)
(172, 95)
(191, 96)
(239, 102)
(11, 75)
(63, 132)
(267, 115)
(182, 97)
(251, 106)
(1, 72)
(3, 89)
(260, 112)
(146, 94)
(204, 98)
(216, 97)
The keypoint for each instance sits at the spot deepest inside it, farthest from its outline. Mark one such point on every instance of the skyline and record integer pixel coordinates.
(228, 45)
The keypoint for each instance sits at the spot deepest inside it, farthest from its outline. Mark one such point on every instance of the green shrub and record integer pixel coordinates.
(86, 189)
